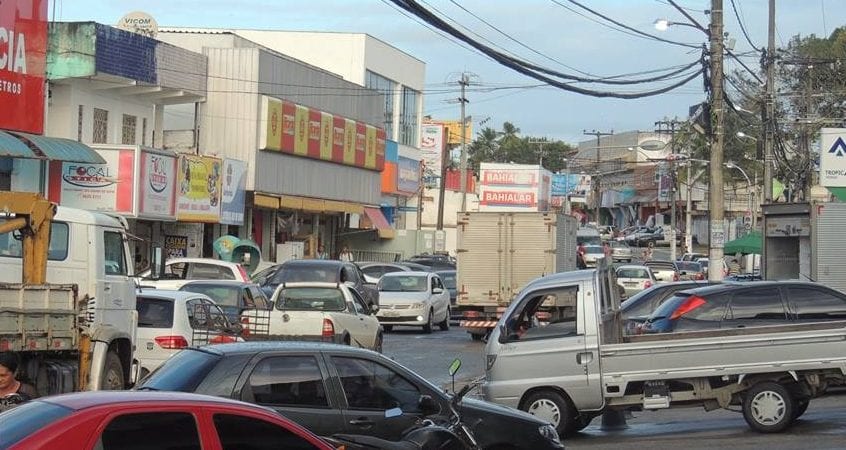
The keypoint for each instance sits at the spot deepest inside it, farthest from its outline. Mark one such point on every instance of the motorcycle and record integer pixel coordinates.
(434, 432)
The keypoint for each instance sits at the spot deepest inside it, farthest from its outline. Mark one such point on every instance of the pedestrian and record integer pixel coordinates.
(321, 252)
(346, 254)
(734, 267)
(646, 255)
(606, 248)
(9, 385)
(580, 256)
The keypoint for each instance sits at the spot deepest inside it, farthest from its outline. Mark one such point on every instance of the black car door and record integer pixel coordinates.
(370, 388)
(295, 385)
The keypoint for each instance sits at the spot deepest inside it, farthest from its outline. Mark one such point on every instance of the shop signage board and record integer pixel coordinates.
(199, 186)
(408, 175)
(432, 148)
(23, 56)
(833, 157)
(106, 187)
(176, 247)
(156, 184)
(299, 130)
(514, 187)
(234, 192)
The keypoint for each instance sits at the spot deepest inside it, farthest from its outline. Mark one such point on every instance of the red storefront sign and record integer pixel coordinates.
(23, 55)
(508, 198)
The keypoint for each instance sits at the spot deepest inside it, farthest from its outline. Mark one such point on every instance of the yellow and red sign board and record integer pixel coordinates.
(311, 133)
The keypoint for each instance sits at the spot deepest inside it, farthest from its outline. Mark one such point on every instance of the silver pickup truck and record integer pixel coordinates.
(558, 352)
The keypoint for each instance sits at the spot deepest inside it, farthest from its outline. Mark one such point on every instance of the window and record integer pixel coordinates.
(714, 308)
(241, 433)
(154, 312)
(404, 283)
(370, 385)
(79, 116)
(128, 130)
(387, 88)
(408, 117)
(159, 430)
(756, 304)
(545, 315)
(222, 295)
(100, 134)
(374, 271)
(200, 271)
(816, 304)
(28, 418)
(360, 304)
(348, 273)
(10, 244)
(311, 299)
(258, 296)
(287, 381)
(114, 258)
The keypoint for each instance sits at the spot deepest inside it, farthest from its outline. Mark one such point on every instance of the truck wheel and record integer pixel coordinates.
(552, 407)
(476, 336)
(429, 322)
(800, 408)
(112, 376)
(768, 407)
(444, 326)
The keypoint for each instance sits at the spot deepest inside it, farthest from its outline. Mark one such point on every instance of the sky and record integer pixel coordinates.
(549, 33)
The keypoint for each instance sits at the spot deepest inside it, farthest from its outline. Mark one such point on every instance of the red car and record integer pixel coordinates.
(111, 420)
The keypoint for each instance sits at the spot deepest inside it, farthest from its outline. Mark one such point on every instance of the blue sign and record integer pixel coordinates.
(570, 184)
(408, 175)
(234, 192)
(838, 148)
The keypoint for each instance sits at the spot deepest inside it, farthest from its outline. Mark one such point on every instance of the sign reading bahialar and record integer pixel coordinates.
(23, 54)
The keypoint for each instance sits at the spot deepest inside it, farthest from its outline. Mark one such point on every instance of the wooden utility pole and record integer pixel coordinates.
(717, 188)
(597, 193)
(769, 108)
(669, 126)
(464, 82)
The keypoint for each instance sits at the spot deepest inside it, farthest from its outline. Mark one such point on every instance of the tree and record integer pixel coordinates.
(508, 146)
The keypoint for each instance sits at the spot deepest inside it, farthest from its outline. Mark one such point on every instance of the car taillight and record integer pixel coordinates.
(171, 342)
(244, 277)
(675, 276)
(328, 330)
(222, 339)
(687, 306)
(647, 284)
(700, 276)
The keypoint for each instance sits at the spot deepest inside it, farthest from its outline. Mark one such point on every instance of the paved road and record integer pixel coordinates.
(822, 427)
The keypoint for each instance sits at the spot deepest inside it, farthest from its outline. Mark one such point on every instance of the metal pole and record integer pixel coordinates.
(688, 218)
(465, 80)
(442, 184)
(716, 188)
(597, 193)
(673, 248)
(769, 119)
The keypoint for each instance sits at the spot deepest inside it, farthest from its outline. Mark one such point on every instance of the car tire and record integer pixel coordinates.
(444, 325)
(112, 376)
(768, 407)
(388, 328)
(801, 407)
(476, 336)
(429, 322)
(581, 423)
(377, 346)
(552, 407)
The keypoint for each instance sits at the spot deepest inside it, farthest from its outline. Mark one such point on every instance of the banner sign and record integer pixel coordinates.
(157, 198)
(199, 182)
(176, 247)
(23, 55)
(432, 147)
(507, 177)
(509, 198)
(570, 184)
(96, 187)
(833, 157)
(299, 130)
(234, 192)
(408, 175)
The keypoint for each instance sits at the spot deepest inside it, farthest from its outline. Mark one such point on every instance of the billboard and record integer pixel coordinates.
(453, 131)
(408, 175)
(833, 157)
(96, 187)
(299, 130)
(157, 190)
(570, 184)
(199, 182)
(234, 192)
(23, 55)
(506, 187)
(432, 147)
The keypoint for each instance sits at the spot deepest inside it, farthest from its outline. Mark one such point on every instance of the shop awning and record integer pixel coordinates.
(25, 145)
(314, 205)
(383, 228)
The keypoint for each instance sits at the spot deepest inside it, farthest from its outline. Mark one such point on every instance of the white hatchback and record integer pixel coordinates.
(179, 271)
(413, 298)
(169, 321)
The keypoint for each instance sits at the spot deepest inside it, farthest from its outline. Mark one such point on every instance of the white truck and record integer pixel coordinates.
(499, 252)
(73, 320)
(577, 364)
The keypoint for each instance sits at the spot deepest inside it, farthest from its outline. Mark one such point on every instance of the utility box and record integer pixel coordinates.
(805, 241)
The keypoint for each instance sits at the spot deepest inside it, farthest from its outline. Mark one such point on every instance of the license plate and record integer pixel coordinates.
(392, 313)
(629, 284)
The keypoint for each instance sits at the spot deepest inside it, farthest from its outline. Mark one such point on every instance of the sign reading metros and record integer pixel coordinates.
(299, 130)
(833, 157)
(23, 55)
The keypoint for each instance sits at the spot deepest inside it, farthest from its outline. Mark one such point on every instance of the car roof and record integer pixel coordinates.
(236, 283)
(318, 284)
(167, 294)
(200, 260)
(314, 262)
(273, 346)
(407, 273)
(447, 271)
(82, 400)
(632, 266)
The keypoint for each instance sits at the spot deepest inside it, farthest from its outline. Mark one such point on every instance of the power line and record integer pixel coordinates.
(742, 26)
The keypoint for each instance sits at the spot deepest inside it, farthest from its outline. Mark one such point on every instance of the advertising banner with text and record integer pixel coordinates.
(199, 183)
(299, 130)
(23, 56)
(234, 192)
(156, 185)
(106, 187)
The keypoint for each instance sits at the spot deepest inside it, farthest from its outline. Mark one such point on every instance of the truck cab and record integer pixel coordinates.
(88, 250)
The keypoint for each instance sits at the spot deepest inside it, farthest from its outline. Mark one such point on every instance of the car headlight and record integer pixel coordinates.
(417, 305)
(548, 432)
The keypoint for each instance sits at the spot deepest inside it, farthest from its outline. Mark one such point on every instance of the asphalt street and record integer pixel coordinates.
(822, 427)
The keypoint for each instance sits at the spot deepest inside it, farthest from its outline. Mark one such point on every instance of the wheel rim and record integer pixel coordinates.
(547, 410)
(768, 408)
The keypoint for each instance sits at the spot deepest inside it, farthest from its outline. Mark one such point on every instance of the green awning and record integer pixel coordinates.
(12, 147)
(751, 243)
(60, 149)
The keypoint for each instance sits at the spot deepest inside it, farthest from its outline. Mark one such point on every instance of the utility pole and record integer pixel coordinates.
(669, 126)
(540, 143)
(442, 183)
(464, 82)
(769, 107)
(596, 182)
(716, 189)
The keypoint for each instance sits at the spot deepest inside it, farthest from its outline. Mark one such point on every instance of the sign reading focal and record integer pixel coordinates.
(298, 130)
(23, 55)
(199, 184)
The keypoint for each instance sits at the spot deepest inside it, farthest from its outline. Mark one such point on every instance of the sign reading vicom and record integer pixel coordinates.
(833, 157)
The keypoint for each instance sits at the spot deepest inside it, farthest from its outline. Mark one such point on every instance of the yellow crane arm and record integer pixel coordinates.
(33, 217)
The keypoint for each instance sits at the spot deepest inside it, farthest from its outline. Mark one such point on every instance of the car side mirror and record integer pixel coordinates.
(428, 405)
(157, 262)
(374, 308)
(437, 290)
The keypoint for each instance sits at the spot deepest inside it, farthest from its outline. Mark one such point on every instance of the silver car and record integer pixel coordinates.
(620, 251)
(414, 299)
(593, 253)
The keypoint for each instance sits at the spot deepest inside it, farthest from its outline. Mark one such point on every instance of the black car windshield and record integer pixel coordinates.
(311, 299)
(404, 283)
(154, 312)
(222, 295)
(181, 372)
(21, 421)
(306, 273)
(449, 279)
(689, 266)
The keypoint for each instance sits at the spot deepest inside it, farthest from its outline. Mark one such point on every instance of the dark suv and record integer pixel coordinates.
(742, 305)
(319, 270)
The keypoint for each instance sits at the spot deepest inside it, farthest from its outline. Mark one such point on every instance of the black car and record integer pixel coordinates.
(433, 262)
(449, 279)
(233, 297)
(749, 304)
(319, 270)
(332, 389)
(636, 309)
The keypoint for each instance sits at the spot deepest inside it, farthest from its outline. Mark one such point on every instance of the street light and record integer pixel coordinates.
(664, 24)
(743, 135)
